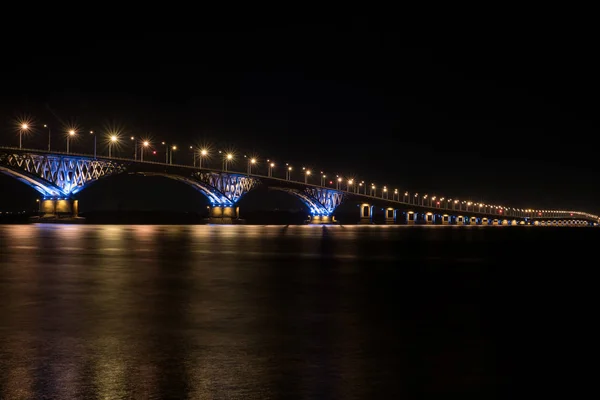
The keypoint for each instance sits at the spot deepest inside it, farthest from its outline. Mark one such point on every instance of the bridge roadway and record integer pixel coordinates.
(60, 177)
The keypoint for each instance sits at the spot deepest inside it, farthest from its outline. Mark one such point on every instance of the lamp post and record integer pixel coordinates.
(144, 145)
(251, 162)
(134, 147)
(173, 148)
(306, 175)
(270, 171)
(288, 173)
(203, 153)
(71, 133)
(92, 133)
(339, 183)
(47, 127)
(113, 140)
(166, 152)
(226, 159)
(323, 176)
(24, 128)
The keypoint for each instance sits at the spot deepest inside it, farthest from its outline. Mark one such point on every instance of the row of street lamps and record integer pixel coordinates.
(201, 154)
(252, 161)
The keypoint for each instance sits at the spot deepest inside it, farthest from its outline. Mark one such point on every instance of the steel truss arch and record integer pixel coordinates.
(67, 173)
(213, 195)
(313, 203)
(232, 186)
(42, 186)
(328, 198)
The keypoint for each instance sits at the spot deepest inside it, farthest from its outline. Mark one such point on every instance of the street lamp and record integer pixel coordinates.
(173, 148)
(193, 156)
(92, 133)
(134, 147)
(71, 133)
(228, 158)
(323, 176)
(203, 153)
(166, 152)
(144, 145)
(47, 127)
(24, 128)
(288, 173)
(251, 162)
(113, 140)
(271, 166)
(306, 174)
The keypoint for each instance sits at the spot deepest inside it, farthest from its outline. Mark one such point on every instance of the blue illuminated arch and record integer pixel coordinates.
(314, 206)
(42, 186)
(212, 194)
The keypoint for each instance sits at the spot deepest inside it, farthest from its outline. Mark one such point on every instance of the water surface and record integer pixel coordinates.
(292, 312)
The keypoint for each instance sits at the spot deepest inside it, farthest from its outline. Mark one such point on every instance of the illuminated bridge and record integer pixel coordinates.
(60, 177)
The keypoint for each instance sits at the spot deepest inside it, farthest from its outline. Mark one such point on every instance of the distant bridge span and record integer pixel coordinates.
(59, 177)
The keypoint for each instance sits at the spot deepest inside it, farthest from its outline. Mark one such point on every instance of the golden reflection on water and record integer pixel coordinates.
(16, 375)
(205, 312)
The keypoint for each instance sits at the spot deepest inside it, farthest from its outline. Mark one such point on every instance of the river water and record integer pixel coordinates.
(293, 312)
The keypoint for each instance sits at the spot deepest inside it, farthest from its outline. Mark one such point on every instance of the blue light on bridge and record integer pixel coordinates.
(314, 212)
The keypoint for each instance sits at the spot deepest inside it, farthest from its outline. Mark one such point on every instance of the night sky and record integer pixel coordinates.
(505, 120)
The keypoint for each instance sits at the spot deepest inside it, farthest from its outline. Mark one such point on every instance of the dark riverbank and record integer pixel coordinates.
(15, 218)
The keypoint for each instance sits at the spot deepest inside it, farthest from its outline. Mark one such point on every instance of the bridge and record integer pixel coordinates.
(60, 177)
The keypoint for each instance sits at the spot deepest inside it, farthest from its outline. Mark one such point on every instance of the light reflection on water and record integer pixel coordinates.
(249, 312)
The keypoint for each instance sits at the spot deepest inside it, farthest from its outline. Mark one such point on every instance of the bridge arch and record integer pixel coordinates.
(214, 196)
(42, 186)
(56, 175)
(320, 203)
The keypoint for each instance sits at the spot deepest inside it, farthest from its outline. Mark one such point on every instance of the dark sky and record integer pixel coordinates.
(507, 119)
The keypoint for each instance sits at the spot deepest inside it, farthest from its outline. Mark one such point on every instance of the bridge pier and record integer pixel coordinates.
(366, 214)
(223, 214)
(322, 219)
(56, 208)
(390, 216)
(429, 218)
